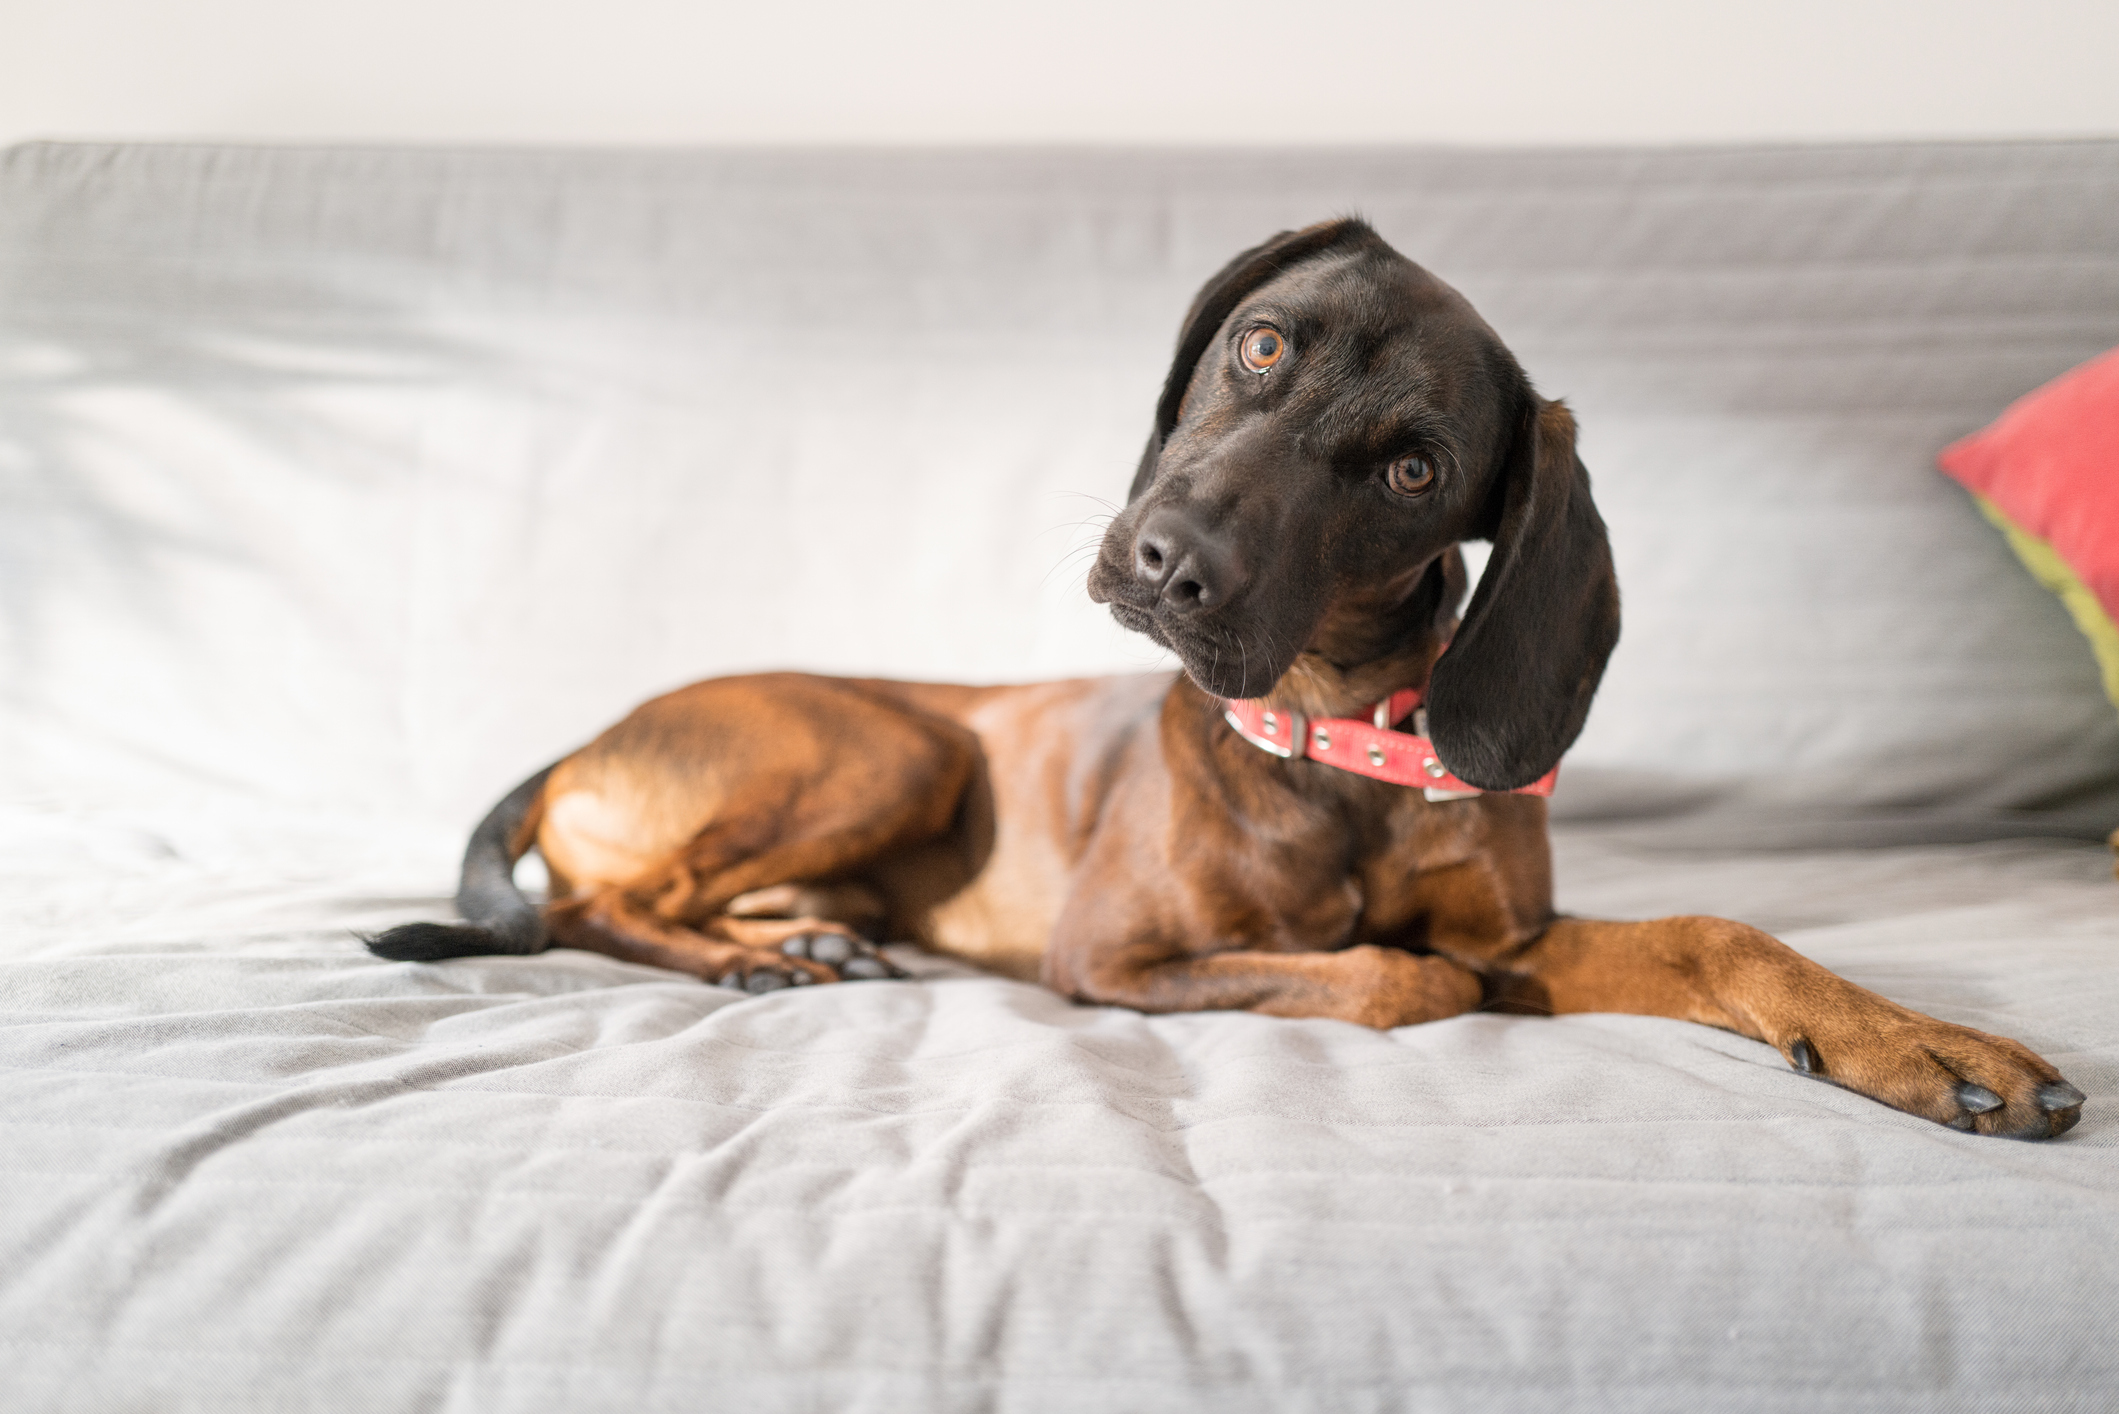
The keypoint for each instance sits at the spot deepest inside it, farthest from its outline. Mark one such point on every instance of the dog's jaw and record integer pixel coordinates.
(1357, 647)
(1224, 658)
(1139, 621)
(1232, 669)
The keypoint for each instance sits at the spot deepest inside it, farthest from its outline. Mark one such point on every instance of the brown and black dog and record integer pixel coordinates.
(1335, 422)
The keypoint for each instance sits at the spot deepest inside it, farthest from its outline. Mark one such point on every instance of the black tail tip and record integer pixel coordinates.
(431, 942)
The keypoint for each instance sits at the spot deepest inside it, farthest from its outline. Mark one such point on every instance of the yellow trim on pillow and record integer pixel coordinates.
(2051, 571)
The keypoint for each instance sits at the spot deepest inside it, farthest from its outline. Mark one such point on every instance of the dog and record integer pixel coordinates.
(1260, 832)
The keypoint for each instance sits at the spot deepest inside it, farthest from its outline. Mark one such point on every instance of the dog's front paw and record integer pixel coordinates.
(1956, 1076)
(1393, 988)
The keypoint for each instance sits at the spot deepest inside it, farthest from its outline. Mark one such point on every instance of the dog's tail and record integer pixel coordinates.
(498, 919)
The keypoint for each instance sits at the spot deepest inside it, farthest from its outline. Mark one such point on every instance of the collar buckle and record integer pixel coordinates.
(1285, 734)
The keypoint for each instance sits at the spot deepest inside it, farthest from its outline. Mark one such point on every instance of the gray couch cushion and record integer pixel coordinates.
(378, 478)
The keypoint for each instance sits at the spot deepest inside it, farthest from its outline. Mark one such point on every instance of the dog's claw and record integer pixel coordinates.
(2061, 1104)
(867, 968)
(1977, 1098)
(763, 981)
(1803, 1057)
(2059, 1095)
(2059, 1109)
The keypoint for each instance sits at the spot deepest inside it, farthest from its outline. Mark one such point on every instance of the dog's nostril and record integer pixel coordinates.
(1151, 557)
(1187, 591)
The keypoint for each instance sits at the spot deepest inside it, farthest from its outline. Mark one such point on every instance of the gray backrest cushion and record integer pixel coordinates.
(375, 479)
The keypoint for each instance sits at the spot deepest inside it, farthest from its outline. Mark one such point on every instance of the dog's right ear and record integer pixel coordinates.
(1212, 304)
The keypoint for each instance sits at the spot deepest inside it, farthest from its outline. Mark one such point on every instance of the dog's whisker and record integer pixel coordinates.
(1100, 522)
(1106, 502)
(1070, 561)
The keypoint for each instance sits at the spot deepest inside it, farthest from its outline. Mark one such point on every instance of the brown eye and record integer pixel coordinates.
(1411, 476)
(1262, 349)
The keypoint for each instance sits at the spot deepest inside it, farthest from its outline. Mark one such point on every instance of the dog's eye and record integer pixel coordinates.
(1262, 349)
(1411, 476)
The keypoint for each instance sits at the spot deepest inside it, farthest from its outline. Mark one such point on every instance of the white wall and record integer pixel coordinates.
(889, 71)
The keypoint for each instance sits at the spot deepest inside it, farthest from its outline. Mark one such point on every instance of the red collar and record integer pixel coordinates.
(1368, 748)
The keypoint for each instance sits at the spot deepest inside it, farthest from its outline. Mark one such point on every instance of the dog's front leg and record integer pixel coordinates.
(1372, 986)
(1201, 890)
(1729, 975)
(1486, 892)
(1215, 945)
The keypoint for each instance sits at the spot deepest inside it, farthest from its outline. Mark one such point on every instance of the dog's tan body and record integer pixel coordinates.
(1291, 535)
(984, 879)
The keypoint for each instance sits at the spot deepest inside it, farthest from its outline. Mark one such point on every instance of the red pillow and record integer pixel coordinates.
(2047, 472)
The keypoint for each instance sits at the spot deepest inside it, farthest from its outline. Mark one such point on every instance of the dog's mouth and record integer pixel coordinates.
(1138, 620)
(1222, 660)
(1109, 587)
(1217, 654)
(1227, 667)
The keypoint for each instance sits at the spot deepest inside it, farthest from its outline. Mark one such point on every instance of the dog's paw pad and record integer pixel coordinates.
(756, 978)
(853, 959)
(831, 949)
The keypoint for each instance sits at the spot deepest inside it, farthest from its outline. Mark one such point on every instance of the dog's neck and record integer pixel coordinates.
(1317, 686)
(1369, 647)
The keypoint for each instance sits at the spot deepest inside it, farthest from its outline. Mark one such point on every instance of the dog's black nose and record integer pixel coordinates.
(1187, 568)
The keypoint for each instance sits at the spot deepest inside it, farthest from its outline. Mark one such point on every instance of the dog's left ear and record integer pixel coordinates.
(1229, 287)
(1511, 693)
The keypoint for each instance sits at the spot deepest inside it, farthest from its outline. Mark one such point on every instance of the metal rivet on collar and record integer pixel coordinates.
(1436, 769)
(1375, 755)
(1323, 739)
(1272, 725)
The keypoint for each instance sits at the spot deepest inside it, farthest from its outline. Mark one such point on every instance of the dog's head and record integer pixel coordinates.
(1335, 421)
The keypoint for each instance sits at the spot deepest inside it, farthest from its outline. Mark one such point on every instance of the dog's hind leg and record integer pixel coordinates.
(753, 955)
(856, 905)
(676, 835)
(772, 886)
(679, 915)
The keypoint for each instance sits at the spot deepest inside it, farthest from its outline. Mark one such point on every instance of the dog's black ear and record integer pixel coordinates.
(1511, 693)
(1212, 304)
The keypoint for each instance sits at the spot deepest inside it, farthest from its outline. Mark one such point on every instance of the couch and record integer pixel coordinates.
(345, 487)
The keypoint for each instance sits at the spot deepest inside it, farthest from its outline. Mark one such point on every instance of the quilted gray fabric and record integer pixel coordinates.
(248, 1168)
(339, 490)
